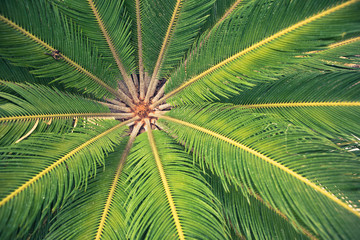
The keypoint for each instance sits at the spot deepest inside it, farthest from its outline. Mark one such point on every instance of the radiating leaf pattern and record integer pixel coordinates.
(179, 119)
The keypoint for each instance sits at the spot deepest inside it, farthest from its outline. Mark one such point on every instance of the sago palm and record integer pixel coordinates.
(179, 119)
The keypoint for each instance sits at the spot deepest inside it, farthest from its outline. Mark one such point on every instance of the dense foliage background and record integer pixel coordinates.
(167, 119)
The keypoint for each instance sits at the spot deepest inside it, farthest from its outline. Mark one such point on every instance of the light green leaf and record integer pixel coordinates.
(116, 23)
(148, 204)
(44, 170)
(260, 46)
(251, 218)
(305, 176)
(318, 101)
(85, 210)
(189, 18)
(51, 110)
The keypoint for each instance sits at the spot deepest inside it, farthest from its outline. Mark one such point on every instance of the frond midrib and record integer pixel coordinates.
(164, 181)
(115, 180)
(165, 44)
(140, 49)
(114, 53)
(303, 104)
(66, 116)
(257, 197)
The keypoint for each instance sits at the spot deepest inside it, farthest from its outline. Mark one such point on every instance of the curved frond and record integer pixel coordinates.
(115, 21)
(220, 11)
(259, 56)
(12, 73)
(251, 218)
(142, 82)
(27, 104)
(29, 42)
(155, 19)
(107, 24)
(341, 54)
(169, 28)
(302, 175)
(318, 101)
(149, 207)
(44, 169)
(111, 201)
(186, 20)
(86, 209)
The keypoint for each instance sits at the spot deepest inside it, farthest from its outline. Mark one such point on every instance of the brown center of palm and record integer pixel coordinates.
(130, 107)
(142, 110)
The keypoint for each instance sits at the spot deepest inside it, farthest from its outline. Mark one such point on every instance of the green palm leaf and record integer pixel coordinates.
(318, 101)
(186, 21)
(265, 222)
(45, 108)
(86, 209)
(106, 23)
(44, 169)
(177, 30)
(255, 154)
(258, 56)
(28, 44)
(115, 21)
(195, 216)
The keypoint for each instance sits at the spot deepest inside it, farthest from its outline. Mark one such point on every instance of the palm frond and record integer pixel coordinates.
(85, 210)
(27, 104)
(337, 55)
(318, 101)
(187, 21)
(183, 26)
(149, 204)
(300, 174)
(29, 43)
(154, 25)
(13, 73)
(260, 55)
(116, 23)
(106, 24)
(251, 218)
(45, 169)
(107, 222)
(138, 36)
(220, 11)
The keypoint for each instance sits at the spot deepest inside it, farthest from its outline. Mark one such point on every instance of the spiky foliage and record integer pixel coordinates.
(179, 119)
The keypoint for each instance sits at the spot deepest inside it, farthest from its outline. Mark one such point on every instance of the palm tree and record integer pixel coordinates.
(174, 119)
